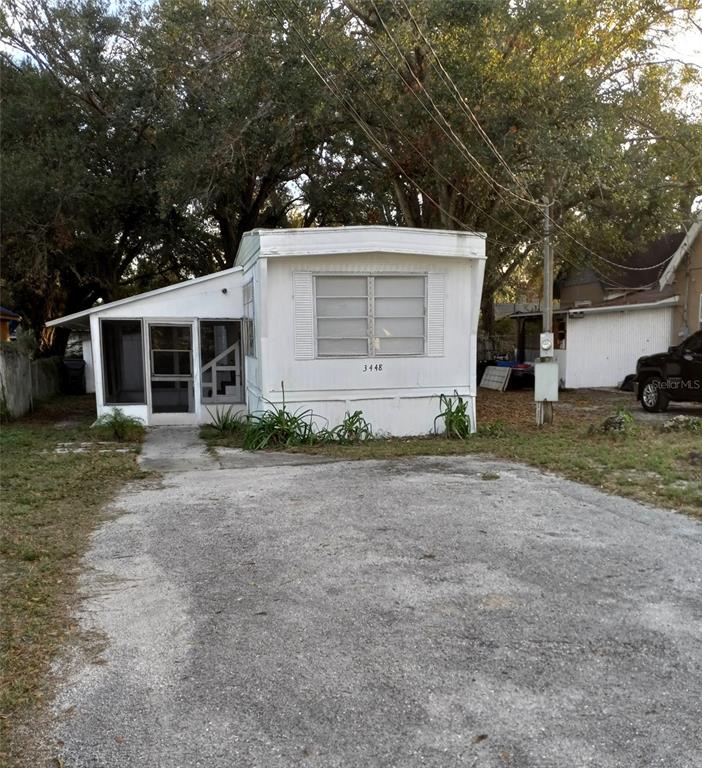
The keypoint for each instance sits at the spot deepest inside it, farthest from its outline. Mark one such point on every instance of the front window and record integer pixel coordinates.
(359, 316)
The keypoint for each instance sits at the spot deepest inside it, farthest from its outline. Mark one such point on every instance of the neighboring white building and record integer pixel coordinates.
(604, 343)
(602, 328)
(377, 319)
(599, 346)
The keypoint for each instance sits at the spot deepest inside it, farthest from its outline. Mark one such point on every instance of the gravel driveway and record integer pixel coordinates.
(426, 612)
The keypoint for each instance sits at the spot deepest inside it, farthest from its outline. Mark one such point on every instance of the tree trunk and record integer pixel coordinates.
(53, 341)
(487, 312)
(228, 234)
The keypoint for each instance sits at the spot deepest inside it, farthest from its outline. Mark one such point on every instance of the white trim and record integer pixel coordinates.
(677, 257)
(330, 241)
(139, 296)
(339, 395)
(670, 302)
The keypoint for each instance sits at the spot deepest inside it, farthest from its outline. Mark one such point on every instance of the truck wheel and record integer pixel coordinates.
(653, 398)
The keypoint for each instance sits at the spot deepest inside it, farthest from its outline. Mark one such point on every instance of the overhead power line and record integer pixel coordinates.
(463, 104)
(336, 91)
(446, 127)
(331, 85)
(348, 73)
(461, 100)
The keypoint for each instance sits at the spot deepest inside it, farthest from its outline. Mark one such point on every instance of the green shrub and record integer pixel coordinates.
(353, 429)
(455, 415)
(621, 423)
(278, 427)
(226, 421)
(682, 423)
(116, 425)
(493, 429)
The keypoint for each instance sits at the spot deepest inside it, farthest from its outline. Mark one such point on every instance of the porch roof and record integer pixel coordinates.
(81, 320)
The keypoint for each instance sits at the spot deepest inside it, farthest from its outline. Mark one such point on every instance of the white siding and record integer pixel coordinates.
(399, 395)
(220, 297)
(603, 347)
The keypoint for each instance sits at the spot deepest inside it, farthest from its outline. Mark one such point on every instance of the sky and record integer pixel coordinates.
(687, 44)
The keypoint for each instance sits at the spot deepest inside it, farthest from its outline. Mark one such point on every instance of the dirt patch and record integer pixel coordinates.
(586, 406)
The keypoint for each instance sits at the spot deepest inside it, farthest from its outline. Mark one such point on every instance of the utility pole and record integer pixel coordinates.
(546, 370)
(548, 269)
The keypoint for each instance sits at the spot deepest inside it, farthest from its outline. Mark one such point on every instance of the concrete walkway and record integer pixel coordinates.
(175, 449)
(429, 612)
(179, 449)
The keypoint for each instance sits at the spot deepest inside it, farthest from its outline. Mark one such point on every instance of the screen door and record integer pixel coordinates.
(171, 366)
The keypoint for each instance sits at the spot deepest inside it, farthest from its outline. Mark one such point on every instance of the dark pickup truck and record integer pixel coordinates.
(672, 375)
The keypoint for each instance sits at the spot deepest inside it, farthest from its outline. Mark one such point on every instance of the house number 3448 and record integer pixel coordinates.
(370, 367)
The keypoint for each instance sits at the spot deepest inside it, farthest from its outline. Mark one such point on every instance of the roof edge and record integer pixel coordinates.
(356, 240)
(66, 319)
(670, 301)
(683, 248)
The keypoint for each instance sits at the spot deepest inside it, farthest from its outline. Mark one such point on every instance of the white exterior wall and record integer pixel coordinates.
(403, 398)
(603, 347)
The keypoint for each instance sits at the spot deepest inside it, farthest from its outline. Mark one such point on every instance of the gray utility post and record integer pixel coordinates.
(546, 370)
(548, 269)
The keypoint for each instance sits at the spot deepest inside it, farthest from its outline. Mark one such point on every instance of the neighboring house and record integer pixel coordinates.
(683, 278)
(378, 319)
(8, 322)
(603, 324)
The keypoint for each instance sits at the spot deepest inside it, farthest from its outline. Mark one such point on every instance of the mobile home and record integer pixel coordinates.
(371, 318)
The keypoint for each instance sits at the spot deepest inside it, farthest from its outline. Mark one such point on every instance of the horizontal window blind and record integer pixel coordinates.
(358, 316)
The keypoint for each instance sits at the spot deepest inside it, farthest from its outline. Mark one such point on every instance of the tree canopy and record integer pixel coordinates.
(141, 141)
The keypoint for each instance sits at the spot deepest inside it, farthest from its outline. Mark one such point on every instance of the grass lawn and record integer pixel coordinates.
(647, 464)
(50, 503)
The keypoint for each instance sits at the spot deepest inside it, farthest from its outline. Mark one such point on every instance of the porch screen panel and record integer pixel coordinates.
(123, 362)
(221, 361)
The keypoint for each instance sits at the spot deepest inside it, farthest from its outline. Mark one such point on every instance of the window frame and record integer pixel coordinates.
(171, 376)
(248, 327)
(370, 297)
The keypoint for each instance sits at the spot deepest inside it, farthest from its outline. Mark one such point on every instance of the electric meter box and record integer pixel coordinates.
(546, 345)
